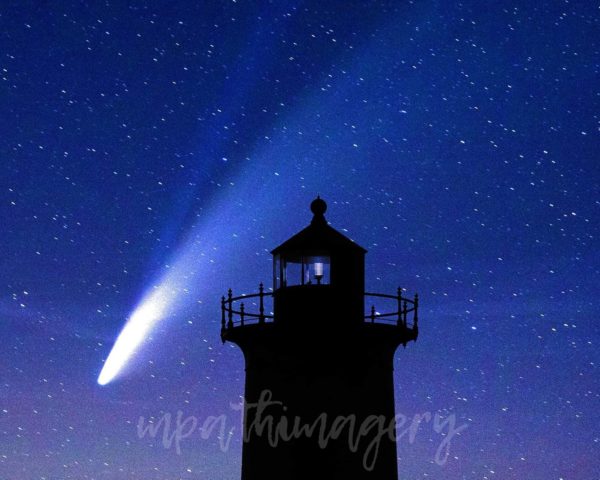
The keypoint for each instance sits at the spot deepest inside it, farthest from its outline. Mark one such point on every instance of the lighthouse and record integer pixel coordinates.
(319, 350)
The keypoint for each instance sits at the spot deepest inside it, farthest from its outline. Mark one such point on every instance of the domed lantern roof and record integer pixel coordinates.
(318, 236)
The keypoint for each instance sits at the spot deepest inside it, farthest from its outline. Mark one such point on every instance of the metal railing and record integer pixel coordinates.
(232, 316)
(399, 317)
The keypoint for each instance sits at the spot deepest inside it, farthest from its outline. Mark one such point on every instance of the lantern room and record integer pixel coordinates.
(318, 272)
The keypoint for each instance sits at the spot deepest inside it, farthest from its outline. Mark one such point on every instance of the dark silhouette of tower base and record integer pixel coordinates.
(319, 371)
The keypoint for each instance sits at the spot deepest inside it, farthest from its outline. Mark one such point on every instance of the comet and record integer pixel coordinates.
(136, 330)
(168, 294)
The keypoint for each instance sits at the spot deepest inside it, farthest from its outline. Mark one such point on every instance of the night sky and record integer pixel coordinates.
(165, 149)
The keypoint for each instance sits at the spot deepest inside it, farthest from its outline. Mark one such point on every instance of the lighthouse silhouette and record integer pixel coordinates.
(319, 391)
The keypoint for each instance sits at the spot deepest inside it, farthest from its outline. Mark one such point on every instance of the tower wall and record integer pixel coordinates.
(340, 384)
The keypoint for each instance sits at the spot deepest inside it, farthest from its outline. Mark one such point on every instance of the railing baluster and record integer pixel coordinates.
(416, 315)
(242, 314)
(230, 301)
(372, 313)
(261, 308)
(405, 312)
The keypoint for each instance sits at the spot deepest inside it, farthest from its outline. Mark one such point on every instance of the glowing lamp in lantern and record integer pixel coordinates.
(318, 268)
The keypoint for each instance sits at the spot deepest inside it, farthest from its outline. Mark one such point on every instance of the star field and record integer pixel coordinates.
(456, 141)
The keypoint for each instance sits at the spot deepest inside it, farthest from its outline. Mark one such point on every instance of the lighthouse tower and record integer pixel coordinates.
(319, 355)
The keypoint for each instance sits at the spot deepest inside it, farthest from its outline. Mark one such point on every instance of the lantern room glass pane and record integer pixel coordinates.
(296, 269)
(317, 270)
(292, 273)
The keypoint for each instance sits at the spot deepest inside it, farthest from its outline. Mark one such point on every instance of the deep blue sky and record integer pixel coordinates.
(457, 142)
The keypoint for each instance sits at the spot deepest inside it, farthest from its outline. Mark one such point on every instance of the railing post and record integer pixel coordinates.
(399, 306)
(230, 311)
(372, 313)
(261, 311)
(416, 315)
(405, 311)
(242, 314)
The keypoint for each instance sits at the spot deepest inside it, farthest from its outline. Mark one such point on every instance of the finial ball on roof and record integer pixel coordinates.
(318, 206)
